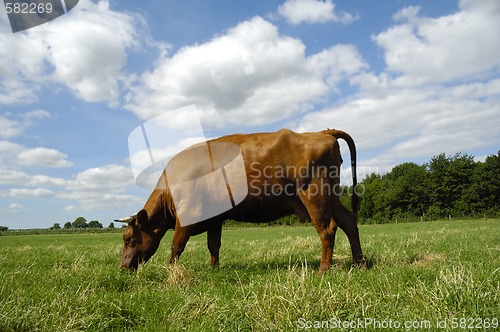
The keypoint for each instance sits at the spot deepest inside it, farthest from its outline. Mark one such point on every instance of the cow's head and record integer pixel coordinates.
(140, 241)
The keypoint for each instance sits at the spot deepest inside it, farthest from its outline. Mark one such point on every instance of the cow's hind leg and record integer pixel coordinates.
(214, 242)
(346, 220)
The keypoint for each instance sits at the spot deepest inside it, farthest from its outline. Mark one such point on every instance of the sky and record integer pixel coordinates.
(407, 79)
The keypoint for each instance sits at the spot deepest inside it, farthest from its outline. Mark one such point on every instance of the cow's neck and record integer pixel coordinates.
(159, 212)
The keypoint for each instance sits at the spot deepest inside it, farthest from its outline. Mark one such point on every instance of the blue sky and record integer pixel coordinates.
(408, 80)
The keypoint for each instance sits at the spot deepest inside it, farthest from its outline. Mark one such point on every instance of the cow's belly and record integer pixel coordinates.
(267, 209)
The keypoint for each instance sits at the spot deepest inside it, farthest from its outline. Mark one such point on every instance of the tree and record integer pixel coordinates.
(345, 195)
(4, 228)
(56, 226)
(485, 189)
(408, 190)
(450, 179)
(94, 224)
(67, 225)
(372, 201)
(111, 225)
(79, 222)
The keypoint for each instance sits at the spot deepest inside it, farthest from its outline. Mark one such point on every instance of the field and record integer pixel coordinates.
(431, 276)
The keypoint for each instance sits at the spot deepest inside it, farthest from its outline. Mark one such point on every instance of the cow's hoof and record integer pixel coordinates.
(362, 262)
(324, 267)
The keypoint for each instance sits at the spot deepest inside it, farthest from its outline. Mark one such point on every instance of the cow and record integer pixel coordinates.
(285, 173)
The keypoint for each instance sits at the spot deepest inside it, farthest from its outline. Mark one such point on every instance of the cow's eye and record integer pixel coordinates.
(128, 241)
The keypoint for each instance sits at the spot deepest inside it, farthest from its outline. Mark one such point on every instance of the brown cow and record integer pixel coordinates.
(286, 173)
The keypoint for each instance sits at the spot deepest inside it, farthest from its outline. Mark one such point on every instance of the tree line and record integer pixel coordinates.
(445, 187)
(81, 223)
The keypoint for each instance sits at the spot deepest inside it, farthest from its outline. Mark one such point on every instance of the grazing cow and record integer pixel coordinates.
(284, 173)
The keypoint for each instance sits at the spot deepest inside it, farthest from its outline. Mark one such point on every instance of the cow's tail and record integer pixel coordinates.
(352, 149)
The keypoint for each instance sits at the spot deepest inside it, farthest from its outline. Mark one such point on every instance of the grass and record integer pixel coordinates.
(431, 272)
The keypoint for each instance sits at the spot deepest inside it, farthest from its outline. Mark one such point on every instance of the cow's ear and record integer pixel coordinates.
(142, 218)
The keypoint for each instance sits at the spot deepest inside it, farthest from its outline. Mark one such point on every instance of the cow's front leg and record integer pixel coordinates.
(214, 242)
(181, 236)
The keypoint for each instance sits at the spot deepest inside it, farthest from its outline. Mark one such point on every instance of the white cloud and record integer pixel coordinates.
(94, 188)
(13, 155)
(8, 177)
(15, 207)
(21, 61)
(101, 188)
(463, 45)
(35, 115)
(84, 50)
(9, 128)
(14, 125)
(109, 178)
(88, 49)
(16, 177)
(337, 63)
(7, 147)
(8, 153)
(313, 11)
(43, 157)
(409, 14)
(31, 193)
(251, 75)
(47, 181)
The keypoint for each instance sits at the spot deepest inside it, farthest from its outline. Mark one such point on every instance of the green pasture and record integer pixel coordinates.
(423, 276)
